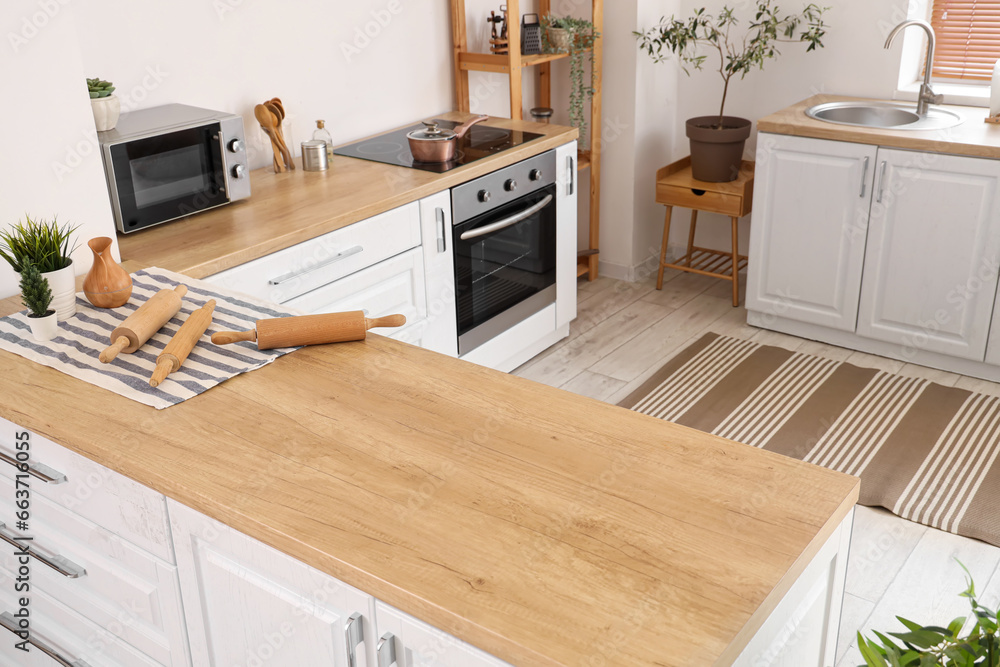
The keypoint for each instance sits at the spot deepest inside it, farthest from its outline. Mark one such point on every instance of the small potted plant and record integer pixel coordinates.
(106, 106)
(576, 37)
(46, 245)
(36, 297)
(717, 141)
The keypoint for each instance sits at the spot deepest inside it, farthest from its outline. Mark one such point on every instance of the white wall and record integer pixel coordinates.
(51, 164)
(853, 62)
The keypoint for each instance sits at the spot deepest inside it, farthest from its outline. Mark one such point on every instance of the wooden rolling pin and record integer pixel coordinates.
(144, 322)
(309, 330)
(180, 346)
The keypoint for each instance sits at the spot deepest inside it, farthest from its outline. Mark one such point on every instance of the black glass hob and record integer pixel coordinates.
(479, 142)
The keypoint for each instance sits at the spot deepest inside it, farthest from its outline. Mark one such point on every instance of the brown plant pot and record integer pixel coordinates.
(717, 153)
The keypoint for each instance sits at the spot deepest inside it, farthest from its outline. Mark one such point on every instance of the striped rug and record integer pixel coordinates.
(922, 450)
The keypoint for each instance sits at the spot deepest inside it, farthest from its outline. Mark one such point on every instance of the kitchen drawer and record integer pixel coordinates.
(74, 637)
(319, 261)
(130, 594)
(714, 202)
(393, 286)
(124, 507)
(421, 645)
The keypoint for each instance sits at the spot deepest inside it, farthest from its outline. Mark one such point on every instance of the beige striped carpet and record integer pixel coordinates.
(924, 451)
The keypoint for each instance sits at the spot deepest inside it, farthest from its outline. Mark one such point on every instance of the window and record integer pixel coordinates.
(968, 39)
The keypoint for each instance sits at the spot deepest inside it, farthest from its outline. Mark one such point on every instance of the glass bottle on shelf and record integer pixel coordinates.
(322, 134)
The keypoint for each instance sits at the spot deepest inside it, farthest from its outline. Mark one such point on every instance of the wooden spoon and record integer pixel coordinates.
(287, 154)
(267, 122)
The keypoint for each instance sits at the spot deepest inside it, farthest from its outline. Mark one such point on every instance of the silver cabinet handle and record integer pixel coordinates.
(439, 212)
(571, 165)
(285, 277)
(63, 566)
(881, 182)
(386, 650)
(37, 470)
(864, 178)
(507, 222)
(8, 621)
(225, 169)
(355, 635)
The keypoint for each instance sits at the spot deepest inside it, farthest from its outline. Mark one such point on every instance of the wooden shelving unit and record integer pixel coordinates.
(513, 64)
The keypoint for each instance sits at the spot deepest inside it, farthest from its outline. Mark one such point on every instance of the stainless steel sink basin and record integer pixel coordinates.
(884, 115)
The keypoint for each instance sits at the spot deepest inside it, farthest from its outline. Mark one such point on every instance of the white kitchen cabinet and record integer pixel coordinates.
(567, 185)
(441, 327)
(810, 221)
(414, 643)
(246, 603)
(933, 252)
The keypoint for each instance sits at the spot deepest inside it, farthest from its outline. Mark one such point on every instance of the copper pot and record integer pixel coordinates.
(433, 144)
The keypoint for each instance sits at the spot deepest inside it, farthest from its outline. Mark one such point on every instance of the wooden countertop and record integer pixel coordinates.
(289, 208)
(543, 527)
(973, 137)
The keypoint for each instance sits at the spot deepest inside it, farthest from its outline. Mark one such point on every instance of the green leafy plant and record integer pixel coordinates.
(738, 54)
(937, 646)
(44, 244)
(581, 49)
(35, 292)
(99, 88)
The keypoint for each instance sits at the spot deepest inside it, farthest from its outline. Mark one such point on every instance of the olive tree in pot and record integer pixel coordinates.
(717, 141)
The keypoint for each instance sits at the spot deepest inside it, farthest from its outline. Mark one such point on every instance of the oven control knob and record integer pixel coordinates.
(484, 196)
(510, 185)
(535, 175)
(238, 171)
(235, 146)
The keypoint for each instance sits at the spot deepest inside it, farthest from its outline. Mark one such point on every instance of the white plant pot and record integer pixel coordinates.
(44, 328)
(63, 286)
(106, 112)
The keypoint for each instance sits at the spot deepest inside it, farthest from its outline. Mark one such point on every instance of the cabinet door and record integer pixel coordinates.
(567, 191)
(807, 235)
(417, 644)
(933, 251)
(441, 328)
(248, 604)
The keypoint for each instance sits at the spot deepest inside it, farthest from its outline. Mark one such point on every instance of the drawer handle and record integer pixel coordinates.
(386, 650)
(37, 470)
(881, 183)
(8, 621)
(442, 229)
(571, 166)
(285, 277)
(696, 192)
(63, 566)
(355, 635)
(864, 178)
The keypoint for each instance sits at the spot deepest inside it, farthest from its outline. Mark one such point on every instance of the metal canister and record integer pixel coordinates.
(314, 155)
(541, 114)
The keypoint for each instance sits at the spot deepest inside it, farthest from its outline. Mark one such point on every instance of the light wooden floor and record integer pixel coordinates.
(625, 331)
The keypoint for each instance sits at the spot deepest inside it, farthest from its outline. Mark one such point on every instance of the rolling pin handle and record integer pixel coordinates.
(227, 337)
(163, 367)
(387, 321)
(114, 349)
(181, 290)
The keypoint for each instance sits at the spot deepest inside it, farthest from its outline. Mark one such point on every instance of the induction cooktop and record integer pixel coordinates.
(479, 142)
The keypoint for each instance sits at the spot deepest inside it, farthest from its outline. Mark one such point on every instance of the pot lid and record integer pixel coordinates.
(431, 132)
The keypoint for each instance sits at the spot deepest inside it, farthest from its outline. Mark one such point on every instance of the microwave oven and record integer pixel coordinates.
(168, 162)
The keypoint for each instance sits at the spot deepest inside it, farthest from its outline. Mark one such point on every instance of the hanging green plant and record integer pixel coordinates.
(576, 37)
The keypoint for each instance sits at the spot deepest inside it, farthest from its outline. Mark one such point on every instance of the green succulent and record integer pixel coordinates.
(35, 292)
(98, 88)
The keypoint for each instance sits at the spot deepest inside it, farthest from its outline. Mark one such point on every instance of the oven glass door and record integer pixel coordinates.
(169, 176)
(505, 266)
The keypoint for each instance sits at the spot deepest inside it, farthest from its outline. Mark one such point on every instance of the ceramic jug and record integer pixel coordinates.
(107, 285)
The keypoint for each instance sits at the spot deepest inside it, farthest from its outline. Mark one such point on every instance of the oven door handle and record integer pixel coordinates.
(507, 222)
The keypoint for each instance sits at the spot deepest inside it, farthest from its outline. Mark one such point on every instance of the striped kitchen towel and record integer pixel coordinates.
(81, 338)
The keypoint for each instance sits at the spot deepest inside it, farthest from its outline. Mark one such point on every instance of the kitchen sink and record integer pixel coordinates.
(884, 115)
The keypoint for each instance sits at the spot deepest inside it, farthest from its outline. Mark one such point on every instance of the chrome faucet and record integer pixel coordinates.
(927, 96)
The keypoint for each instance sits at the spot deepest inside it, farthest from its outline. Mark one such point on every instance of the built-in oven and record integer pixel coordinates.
(504, 245)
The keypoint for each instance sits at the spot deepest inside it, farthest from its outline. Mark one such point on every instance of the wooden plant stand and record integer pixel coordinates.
(513, 63)
(676, 187)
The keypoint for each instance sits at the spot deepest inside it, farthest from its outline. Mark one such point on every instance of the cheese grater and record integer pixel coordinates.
(531, 35)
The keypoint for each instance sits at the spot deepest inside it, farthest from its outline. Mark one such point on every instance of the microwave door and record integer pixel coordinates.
(168, 176)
